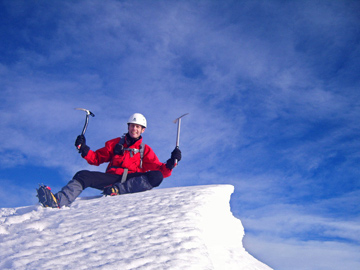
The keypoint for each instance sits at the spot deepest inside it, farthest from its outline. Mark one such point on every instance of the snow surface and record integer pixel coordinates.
(175, 228)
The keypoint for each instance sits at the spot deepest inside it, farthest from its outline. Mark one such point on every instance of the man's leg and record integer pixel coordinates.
(69, 193)
(82, 180)
(138, 182)
(154, 177)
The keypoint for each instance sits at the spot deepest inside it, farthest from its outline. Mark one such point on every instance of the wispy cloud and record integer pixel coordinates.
(300, 255)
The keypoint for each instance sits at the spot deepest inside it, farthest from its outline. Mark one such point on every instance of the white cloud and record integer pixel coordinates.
(285, 254)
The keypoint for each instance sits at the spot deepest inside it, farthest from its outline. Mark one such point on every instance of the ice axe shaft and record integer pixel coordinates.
(86, 121)
(178, 120)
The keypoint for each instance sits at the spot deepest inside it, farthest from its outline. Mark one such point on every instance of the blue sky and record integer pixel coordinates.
(272, 88)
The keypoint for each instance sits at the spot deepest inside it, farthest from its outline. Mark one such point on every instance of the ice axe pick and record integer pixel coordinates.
(178, 120)
(86, 121)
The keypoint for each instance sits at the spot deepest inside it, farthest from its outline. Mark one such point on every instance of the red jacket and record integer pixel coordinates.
(117, 163)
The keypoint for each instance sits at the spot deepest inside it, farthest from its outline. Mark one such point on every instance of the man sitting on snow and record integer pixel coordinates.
(133, 167)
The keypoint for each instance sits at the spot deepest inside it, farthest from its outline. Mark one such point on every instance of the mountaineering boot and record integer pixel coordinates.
(46, 197)
(111, 191)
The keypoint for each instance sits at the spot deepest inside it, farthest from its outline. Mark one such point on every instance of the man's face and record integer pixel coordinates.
(135, 130)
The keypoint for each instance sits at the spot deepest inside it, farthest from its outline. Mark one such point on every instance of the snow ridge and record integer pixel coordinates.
(175, 228)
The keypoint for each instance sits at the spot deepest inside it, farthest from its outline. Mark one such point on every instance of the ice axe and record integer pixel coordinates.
(86, 121)
(178, 120)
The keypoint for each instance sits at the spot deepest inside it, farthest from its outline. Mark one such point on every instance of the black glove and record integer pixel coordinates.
(119, 149)
(175, 155)
(80, 143)
(80, 140)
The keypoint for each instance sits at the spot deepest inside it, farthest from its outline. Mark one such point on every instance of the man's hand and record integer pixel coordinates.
(80, 143)
(80, 140)
(175, 155)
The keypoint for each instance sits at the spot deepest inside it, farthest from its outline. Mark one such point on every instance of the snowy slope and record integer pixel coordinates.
(177, 228)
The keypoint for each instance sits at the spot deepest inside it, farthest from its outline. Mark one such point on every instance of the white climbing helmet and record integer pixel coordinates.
(137, 118)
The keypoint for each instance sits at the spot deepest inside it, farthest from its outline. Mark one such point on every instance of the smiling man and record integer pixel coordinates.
(133, 167)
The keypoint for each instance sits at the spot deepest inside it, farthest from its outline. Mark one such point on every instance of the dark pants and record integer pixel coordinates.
(99, 180)
(135, 182)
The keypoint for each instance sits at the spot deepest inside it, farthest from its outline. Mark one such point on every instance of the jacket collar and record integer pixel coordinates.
(130, 141)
